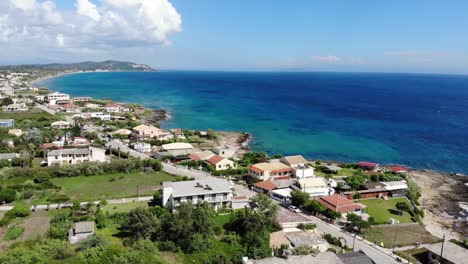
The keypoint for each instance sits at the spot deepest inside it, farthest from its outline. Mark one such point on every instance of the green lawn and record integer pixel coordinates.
(123, 207)
(222, 219)
(346, 172)
(381, 210)
(89, 188)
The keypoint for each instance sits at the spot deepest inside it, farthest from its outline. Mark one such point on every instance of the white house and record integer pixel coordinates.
(9, 156)
(299, 166)
(225, 151)
(80, 231)
(113, 108)
(216, 192)
(142, 147)
(221, 163)
(177, 149)
(76, 156)
(16, 107)
(60, 125)
(100, 115)
(315, 187)
(92, 105)
(54, 97)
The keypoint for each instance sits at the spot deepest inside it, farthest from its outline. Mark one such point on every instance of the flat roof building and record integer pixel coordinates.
(216, 192)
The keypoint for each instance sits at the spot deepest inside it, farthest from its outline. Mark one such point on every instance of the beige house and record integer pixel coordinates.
(204, 155)
(221, 163)
(15, 132)
(149, 132)
(60, 125)
(122, 132)
(270, 170)
(314, 186)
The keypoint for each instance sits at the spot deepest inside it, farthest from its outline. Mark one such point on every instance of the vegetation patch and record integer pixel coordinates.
(382, 210)
(406, 235)
(89, 188)
(13, 233)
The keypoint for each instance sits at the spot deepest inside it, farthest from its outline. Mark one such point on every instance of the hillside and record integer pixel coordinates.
(109, 65)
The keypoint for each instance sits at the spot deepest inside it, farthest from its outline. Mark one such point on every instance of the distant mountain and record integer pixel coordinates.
(109, 65)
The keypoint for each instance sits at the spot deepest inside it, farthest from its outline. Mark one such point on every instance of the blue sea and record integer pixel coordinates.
(417, 120)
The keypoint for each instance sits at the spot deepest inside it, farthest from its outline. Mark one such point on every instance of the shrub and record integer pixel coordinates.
(14, 232)
(7, 196)
(58, 198)
(306, 226)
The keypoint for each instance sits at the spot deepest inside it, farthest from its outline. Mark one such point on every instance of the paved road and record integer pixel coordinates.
(8, 89)
(378, 254)
(116, 144)
(46, 109)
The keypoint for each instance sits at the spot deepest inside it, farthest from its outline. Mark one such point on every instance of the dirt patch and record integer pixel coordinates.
(406, 235)
(441, 194)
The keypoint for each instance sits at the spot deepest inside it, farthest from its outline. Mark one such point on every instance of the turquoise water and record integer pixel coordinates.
(416, 120)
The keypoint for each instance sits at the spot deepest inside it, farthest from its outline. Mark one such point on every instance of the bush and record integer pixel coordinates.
(306, 226)
(13, 233)
(58, 198)
(7, 196)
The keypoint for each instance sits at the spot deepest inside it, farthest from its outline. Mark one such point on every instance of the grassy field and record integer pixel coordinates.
(381, 210)
(406, 235)
(90, 188)
(222, 219)
(123, 207)
(346, 172)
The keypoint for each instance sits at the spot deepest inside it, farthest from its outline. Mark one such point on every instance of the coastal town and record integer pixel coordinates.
(85, 171)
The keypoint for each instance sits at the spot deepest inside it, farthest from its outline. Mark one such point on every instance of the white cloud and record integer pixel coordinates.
(60, 40)
(86, 8)
(99, 25)
(326, 58)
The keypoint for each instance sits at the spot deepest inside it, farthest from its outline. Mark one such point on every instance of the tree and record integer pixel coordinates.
(299, 198)
(414, 191)
(314, 207)
(139, 224)
(7, 196)
(356, 221)
(34, 136)
(6, 101)
(262, 204)
(402, 206)
(211, 134)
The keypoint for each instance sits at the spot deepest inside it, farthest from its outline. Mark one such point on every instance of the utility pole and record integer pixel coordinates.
(442, 248)
(394, 242)
(354, 240)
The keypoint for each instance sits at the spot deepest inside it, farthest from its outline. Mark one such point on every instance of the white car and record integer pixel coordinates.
(294, 209)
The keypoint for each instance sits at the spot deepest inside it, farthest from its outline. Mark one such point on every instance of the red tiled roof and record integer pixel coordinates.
(70, 105)
(48, 145)
(371, 173)
(266, 185)
(215, 159)
(338, 203)
(255, 169)
(368, 164)
(397, 169)
(194, 157)
(281, 170)
(112, 105)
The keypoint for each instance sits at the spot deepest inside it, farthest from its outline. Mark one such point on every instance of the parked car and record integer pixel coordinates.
(294, 209)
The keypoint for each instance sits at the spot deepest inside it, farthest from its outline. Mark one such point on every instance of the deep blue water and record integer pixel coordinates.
(416, 120)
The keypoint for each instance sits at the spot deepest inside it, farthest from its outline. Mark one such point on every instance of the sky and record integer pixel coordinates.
(256, 35)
